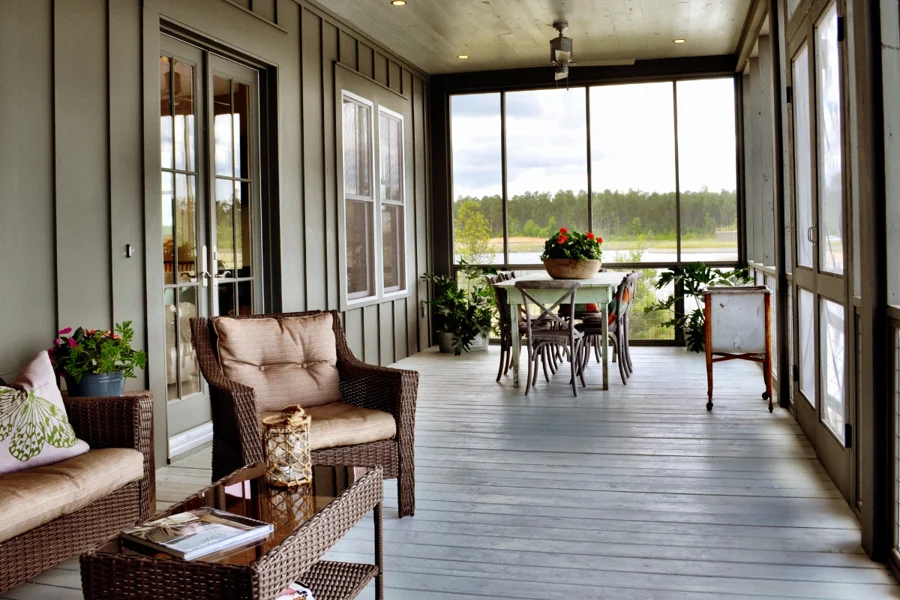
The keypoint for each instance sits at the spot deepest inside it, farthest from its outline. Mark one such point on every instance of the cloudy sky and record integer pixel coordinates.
(632, 139)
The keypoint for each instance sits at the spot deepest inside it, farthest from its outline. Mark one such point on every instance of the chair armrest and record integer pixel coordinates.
(119, 422)
(381, 388)
(238, 441)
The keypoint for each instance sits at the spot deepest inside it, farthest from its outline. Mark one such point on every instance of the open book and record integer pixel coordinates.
(198, 533)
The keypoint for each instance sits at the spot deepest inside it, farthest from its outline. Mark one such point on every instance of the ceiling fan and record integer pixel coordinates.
(562, 54)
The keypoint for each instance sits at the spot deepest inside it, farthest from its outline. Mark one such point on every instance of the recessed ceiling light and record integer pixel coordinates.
(398, 2)
(462, 56)
(679, 40)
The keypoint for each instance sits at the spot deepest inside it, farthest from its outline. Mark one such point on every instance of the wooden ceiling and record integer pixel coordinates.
(508, 34)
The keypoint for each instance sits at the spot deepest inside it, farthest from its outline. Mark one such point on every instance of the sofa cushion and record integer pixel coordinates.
(341, 424)
(286, 361)
(34, 427)
(31, 498)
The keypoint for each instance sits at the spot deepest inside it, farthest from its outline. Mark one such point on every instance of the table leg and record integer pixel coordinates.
(379, 561)
(605, 329)
(516, 341)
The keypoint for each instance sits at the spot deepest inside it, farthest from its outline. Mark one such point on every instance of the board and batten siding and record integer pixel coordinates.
(75, 162)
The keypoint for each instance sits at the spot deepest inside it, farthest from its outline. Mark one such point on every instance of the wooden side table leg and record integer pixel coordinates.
(379, 560)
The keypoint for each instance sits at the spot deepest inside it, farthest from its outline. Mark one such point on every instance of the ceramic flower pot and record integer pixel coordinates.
(96, 385)
(445, 343)
(564, 268)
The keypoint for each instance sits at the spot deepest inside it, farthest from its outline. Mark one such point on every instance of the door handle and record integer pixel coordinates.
(204, 267)
(811, 234)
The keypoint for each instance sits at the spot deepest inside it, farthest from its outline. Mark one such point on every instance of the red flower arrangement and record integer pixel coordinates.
(573, 245)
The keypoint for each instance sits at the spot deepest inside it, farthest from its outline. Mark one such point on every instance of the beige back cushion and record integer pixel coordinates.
(287, 361)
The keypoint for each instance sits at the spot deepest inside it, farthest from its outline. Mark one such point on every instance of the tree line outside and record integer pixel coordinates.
(629, 221)
(622, 218)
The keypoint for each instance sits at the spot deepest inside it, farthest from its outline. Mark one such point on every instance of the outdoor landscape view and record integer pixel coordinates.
(631, 148)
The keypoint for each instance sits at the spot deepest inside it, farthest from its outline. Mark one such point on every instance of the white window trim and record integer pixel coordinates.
(403, 289)
(362, 297)
(380, 292)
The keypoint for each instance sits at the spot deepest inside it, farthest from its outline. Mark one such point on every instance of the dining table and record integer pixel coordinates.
(599, 289)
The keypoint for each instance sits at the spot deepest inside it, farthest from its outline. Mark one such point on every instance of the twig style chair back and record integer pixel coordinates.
(617, 327)
(507, 327)
(365, 392)
(554, 332)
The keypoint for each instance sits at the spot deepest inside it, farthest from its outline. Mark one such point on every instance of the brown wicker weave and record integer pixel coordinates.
(237, 437)
(124, 422)
(258, 574)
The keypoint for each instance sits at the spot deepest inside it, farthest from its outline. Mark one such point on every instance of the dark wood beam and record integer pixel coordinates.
(756, 16)
(542, 77)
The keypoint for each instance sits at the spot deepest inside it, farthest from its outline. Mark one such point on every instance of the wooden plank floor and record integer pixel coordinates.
(628, 494)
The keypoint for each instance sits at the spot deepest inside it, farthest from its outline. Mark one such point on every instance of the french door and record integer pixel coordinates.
(210, 206)
(819, 290)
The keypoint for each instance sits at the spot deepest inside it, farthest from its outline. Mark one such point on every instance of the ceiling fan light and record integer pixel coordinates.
(561, 50)
(560, 72)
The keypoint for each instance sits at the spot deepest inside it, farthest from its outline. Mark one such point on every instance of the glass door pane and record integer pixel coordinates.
(807, 332)
(180, 222)
(830, 162)
(803, 196)
(831, 320)
(233, 145)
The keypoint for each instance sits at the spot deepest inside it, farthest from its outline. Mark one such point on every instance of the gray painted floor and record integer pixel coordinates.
(629, 494)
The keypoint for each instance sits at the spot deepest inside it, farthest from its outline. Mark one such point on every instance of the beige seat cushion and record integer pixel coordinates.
(340, 424)
(31, 498)
(286, 362)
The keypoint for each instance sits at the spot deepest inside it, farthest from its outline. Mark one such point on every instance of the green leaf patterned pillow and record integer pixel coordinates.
(34, 427)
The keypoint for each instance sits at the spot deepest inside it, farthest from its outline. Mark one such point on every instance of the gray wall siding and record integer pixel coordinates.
(27, 209)
(77, 167)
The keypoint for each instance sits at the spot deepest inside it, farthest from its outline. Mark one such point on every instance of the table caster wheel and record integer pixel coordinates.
(709, 406)
(771, 408)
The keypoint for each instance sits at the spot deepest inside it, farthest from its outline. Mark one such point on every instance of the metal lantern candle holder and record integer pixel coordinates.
(288, 463)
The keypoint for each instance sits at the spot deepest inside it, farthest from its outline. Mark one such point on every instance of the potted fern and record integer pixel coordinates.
(464, 313)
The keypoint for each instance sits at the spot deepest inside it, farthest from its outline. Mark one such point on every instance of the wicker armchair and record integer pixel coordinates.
(121, 422)
(237, 433)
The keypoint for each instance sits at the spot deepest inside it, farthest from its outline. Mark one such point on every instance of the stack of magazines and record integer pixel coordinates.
(198, 533)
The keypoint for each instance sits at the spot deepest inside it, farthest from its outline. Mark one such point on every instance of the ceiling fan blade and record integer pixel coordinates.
(606, 62)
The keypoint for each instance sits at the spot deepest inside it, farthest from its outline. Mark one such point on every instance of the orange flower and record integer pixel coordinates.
(563, 230)
(561, 240)
(589, 235)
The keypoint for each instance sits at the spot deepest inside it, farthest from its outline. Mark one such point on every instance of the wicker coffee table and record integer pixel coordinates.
(308, 522)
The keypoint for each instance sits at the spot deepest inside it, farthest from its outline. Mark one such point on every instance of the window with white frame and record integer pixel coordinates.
(393, 221)
(374, 210)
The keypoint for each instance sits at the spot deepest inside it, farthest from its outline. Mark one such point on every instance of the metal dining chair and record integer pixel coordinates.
(554, 332)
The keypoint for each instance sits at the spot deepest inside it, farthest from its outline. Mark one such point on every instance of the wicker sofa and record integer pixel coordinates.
(237, 434)
(74, 505)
